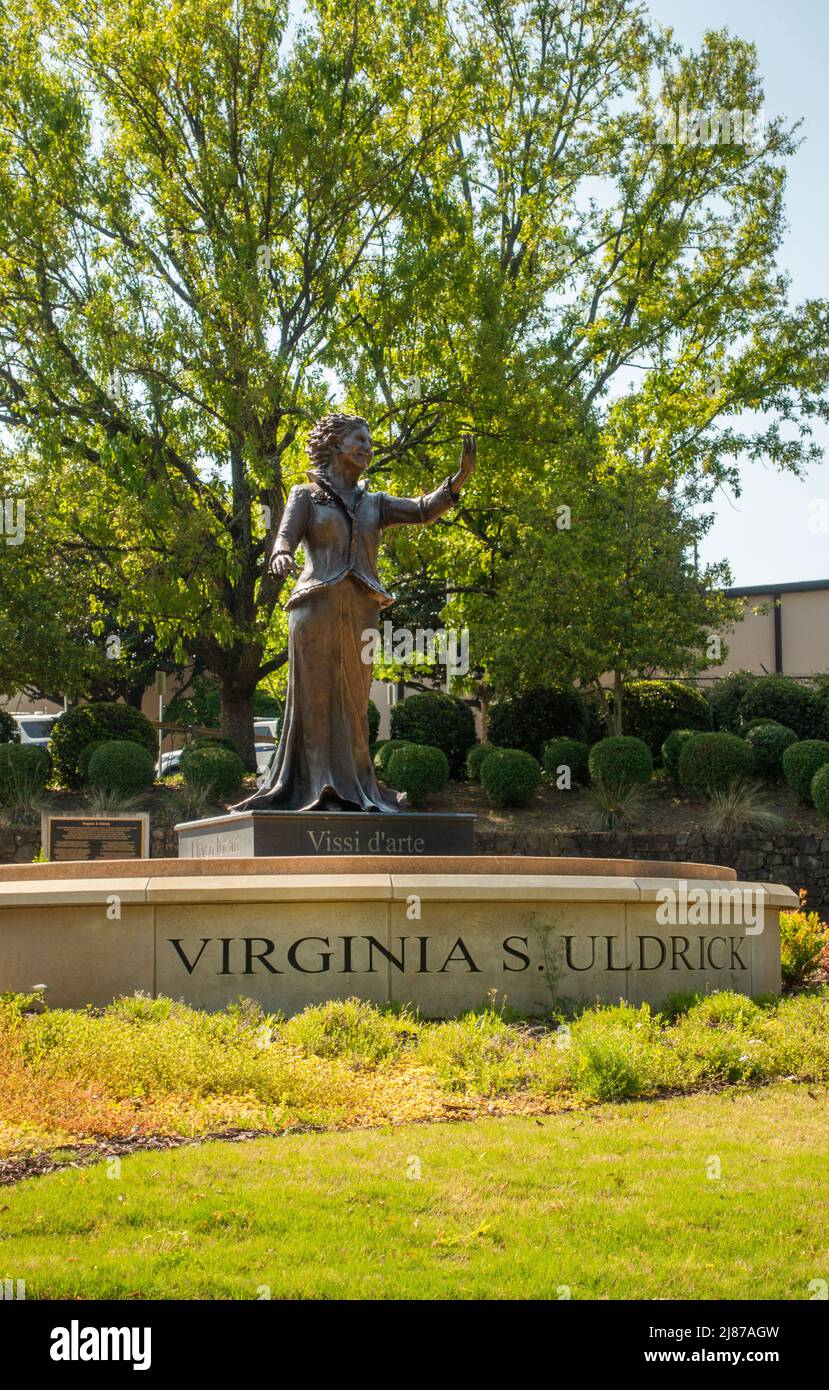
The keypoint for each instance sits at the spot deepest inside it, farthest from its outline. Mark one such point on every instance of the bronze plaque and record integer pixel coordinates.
(96, 837)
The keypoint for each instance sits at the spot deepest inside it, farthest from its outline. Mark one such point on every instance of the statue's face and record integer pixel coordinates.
(356, 447)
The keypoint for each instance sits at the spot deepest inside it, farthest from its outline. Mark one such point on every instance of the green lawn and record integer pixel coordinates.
(614, 1202)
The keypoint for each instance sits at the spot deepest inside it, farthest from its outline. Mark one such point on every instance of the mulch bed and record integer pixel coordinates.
(84, 1155)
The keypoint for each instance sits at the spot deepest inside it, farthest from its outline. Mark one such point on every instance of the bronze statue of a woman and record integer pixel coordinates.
(323, 761)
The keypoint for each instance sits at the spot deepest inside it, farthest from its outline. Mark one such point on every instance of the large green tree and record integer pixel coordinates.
(185, 198)
(619, 330)
(214, 221)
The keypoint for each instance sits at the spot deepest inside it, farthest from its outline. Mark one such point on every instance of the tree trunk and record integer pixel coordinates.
(484, 693)
(236, 721)
(617, 702)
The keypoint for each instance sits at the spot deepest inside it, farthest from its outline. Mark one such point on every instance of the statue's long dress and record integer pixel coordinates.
(323, 760)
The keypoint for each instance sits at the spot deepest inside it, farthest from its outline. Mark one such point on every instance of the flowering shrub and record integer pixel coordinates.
(803, 940)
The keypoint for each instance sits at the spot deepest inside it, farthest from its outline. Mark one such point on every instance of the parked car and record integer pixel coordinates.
(171, 762)
(35, 728)
(264, 757)
(267, 728)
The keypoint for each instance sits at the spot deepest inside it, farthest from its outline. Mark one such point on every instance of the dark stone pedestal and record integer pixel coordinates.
(267, 834)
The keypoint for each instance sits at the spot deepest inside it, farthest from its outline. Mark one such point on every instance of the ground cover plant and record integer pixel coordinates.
(145, 1067)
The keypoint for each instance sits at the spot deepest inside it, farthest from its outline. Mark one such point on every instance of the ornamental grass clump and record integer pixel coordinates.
(25, 769)
(742, 806)
(613, 807)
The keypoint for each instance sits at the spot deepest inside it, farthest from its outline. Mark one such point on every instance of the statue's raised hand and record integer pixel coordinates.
(469, 459)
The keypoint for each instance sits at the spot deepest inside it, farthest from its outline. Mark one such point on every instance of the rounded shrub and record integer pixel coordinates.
(85, 724)
(724, 698)
(530, 720)
(710, 762)
(567, 752)
(800, 763)
(85, 755)
(671, 749)
(820, 726)
(820, 790)
(217, 771)
(620, 761)
(9, 732)
(769, 742)
(121, 767)
(384, 752)
(373, 721)
(754, 724)
(475, 758)
(418, 770)
(780, 700)
(439, 720)
(23, 766)
(652, 709)
(213, 741)
(510, 777)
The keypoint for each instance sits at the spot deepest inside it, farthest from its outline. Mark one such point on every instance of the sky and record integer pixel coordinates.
(771, 534)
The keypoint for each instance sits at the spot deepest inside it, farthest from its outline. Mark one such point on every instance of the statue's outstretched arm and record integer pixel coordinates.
(413, 511)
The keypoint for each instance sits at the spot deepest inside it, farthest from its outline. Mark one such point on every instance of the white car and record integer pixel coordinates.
(170, 762)
(35, 728)
(264, 758)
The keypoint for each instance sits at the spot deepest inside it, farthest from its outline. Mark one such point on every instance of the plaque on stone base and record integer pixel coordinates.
(258, 834)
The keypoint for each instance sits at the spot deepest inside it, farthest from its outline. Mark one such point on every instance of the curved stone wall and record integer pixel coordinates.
(442, 935)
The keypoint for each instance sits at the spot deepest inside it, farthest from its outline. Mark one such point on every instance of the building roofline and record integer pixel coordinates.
(800, 586)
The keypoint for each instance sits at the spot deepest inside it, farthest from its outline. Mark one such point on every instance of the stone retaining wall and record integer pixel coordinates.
(798, 860)
(19, 846)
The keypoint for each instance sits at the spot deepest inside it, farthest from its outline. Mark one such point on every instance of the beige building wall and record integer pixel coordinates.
(806, 632)
(784, 629)
(751, 643)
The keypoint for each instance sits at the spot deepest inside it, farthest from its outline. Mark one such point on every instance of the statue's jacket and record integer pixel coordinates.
(339, 540)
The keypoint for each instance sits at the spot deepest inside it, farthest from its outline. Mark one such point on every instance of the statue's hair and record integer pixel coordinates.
(326, 434)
